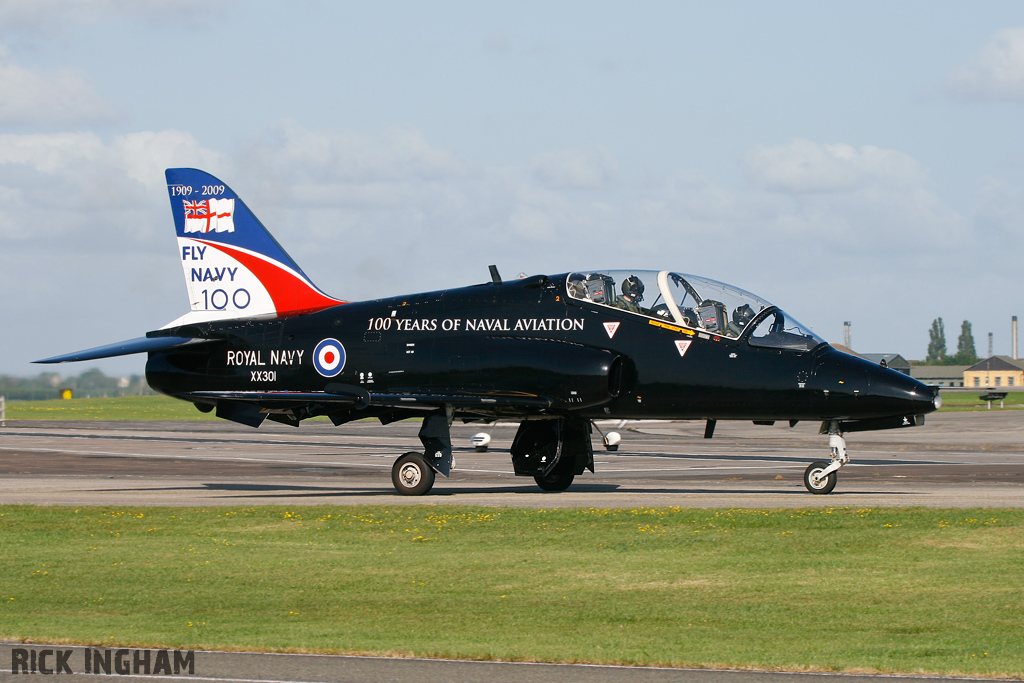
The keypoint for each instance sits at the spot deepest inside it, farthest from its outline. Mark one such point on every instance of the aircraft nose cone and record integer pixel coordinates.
(865, 389)
(903, 390)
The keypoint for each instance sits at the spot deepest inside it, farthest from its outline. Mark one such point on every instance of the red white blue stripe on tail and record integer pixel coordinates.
(233, 266)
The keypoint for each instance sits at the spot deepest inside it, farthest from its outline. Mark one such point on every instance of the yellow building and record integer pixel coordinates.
(1000, 372)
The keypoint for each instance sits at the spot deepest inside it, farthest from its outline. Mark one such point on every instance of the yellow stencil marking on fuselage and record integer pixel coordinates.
(674, 328)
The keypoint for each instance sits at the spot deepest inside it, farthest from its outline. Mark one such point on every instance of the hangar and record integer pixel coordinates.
(939, 375)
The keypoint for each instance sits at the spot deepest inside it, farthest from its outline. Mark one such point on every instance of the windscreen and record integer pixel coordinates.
(777, 330)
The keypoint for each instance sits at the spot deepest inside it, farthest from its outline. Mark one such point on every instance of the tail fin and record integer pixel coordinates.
(233, 266)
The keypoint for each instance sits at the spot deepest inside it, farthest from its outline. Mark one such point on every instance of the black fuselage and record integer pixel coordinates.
(527, 338)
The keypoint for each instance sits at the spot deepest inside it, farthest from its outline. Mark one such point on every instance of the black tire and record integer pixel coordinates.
(556, 480)
(823, 487)
(411, 475)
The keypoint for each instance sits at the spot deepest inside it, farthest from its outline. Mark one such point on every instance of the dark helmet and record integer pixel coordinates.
(742, 315)
(633, 287)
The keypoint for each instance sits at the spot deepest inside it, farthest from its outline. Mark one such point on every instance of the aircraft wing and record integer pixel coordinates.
(343, 403)
(363, 399)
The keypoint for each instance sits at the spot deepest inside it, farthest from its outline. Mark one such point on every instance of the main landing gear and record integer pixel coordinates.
(554, 451)
(413, 473)
(820, 477)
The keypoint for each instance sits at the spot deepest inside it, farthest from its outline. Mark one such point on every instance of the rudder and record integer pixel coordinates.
(233, 266)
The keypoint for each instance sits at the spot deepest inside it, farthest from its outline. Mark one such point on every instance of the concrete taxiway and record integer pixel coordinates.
(955, 460)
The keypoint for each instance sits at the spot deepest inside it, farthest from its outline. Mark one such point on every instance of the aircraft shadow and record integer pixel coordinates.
(772, 458)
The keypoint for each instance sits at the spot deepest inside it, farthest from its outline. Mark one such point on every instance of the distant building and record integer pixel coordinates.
(893, 361)
(997, 371)
(939, 375)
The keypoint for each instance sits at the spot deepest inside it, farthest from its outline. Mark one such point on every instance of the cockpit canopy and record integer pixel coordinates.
(694, 302)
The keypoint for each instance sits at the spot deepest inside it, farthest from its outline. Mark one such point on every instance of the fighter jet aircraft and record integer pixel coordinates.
(555, 352)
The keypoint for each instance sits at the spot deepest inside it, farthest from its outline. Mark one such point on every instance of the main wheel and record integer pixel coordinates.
(558, 479)
(554, 481)
(820, 486)
(411, 475)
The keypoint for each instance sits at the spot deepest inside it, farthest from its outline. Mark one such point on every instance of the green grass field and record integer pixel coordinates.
(888, 590)
(128, 408)
(968, 400)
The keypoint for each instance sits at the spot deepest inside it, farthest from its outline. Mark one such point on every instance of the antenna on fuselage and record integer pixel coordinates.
(495, 278)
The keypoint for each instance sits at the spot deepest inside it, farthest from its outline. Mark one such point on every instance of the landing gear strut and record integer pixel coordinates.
(820, 477)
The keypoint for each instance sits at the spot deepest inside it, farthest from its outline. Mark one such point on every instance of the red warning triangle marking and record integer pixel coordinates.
(610, 328)
(682, 345)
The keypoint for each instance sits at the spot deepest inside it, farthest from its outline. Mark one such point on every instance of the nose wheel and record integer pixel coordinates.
(820, 477)
(817, 481)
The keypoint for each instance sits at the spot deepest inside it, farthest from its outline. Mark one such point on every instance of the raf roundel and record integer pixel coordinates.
(329, 357)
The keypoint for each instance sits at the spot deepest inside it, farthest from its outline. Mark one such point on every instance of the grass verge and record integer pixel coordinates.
(133, 408)
(886, 590)
(954, 401)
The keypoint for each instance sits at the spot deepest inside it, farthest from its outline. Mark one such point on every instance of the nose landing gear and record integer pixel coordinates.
(820, 477)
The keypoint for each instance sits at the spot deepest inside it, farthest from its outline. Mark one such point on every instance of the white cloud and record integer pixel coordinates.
(145, 155)
(858, 198)
(997, 73)
(48, 153)
(584, 169)
(59, 190)
(34, 96)
(348, 164)
(802, 167)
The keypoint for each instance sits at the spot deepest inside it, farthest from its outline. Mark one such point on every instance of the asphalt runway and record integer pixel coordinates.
(954, 460)
(254, 667)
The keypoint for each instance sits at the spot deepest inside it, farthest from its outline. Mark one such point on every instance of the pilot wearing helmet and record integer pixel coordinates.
(632, 294)
(741, 315)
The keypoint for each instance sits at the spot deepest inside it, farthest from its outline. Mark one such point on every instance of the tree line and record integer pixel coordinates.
(937, 354)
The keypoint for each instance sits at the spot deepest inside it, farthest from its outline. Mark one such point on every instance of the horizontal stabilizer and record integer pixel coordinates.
(125, 348)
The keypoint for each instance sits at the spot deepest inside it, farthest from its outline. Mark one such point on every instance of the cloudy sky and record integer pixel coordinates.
(858, 161)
